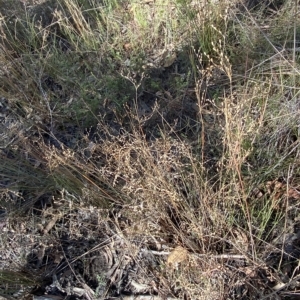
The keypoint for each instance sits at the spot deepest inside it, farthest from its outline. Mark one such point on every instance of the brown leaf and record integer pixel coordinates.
(127, 47)
(293, 193)
(178, 255)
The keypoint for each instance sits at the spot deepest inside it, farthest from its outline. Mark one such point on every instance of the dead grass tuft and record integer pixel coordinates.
(149, 149)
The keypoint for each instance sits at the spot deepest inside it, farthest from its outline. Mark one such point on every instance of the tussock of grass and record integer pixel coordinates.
(160, 135)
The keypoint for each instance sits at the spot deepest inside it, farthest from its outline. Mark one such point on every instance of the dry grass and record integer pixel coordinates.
(150, 147)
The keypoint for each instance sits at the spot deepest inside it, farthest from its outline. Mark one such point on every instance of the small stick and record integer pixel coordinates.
(219, 256)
